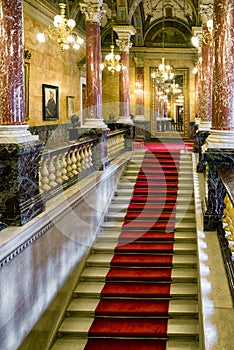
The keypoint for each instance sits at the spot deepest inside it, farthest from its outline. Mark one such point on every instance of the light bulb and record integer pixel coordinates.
(71, 23)
(80, 41)
(70, 39)
(41, 37)
(58, 21)
(76, 46)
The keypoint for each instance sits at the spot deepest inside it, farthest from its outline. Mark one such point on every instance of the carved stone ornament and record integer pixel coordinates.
(93, 11)
(124, 44)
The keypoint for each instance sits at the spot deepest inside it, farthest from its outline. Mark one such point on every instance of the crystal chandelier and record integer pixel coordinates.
(62, 31)
(164, 71)
(112, 62)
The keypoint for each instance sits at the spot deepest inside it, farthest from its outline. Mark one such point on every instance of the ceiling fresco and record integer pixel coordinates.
(153, 20)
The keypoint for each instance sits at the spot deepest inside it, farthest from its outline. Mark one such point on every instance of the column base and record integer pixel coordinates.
(204, 126)
(139, 118)
(94, 123)
(219, 139)
(125, 120)
(16, 134)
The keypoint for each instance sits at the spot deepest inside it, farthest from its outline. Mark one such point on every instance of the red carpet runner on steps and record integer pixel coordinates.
(133, 309)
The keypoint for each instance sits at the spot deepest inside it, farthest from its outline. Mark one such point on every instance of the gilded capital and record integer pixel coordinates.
(93, 10)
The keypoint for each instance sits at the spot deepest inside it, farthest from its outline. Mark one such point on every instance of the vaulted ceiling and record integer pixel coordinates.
(157, 22)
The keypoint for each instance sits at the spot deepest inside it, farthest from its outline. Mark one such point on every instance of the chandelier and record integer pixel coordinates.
(112, 62)
(164, 71)
(62, 31)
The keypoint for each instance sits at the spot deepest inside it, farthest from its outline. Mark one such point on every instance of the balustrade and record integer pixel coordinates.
(60, 165)
(115, 143)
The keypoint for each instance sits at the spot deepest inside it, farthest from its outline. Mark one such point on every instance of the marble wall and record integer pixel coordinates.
(37, 259)
(48, 65)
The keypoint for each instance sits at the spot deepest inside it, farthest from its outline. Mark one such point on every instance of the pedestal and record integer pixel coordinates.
(20, 200)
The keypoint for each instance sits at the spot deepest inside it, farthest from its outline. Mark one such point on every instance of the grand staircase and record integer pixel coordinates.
(183, 319)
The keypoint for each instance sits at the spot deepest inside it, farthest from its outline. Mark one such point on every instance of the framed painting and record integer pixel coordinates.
(50, 102)
(70, 106)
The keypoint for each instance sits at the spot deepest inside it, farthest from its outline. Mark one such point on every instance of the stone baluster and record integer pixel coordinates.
(58, 169)
(78, 160)
(63, 157)
(52, 170)
(69, 165)
(44, 175)
(74, 162)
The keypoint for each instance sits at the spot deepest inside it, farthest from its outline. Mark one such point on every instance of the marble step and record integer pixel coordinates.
(187, 192)
(177, 290)
(125, 183)
(67, 343)
(125, 199)
(98, 274)
(177, 327)
(103, 260)
(115, 207)
(105, 246)
(70, 343)
(85, 307)
(120, 216)
(179, 225)
(113, 235)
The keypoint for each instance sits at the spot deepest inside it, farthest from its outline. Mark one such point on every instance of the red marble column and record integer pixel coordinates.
(12, 106)
(93, 61)
(223, 77)
(139, 92)
(123, 41)
(93, 12)
(124, 93)
(198, 85)
(206, 78)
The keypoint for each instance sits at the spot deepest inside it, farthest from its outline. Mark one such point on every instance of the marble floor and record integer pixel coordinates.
(216, 301)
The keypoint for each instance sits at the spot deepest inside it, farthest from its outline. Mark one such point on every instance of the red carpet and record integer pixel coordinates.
(132, 313)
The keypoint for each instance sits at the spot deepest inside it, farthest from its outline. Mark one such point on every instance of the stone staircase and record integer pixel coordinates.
(183, 322)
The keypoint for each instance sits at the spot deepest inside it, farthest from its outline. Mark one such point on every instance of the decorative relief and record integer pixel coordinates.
(93, 11)
(124, 44)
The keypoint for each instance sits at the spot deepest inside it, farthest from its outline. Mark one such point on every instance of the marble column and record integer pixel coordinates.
(93, 11)
(123, 41)
(222, 130)
(206, 85)
(20, 199)
(219, 146)
(139, 93)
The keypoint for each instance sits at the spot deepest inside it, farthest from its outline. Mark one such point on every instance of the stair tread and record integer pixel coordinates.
(109, 245)
(178, 235)
(79, 344)
(88, 306)
(176, 326)
(94, 288)
(100, 273)
(105, 259)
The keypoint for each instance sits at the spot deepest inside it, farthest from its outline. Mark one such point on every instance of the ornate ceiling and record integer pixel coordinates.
(155, 21)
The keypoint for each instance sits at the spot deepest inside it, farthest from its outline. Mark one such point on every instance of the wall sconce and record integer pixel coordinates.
(62, 31)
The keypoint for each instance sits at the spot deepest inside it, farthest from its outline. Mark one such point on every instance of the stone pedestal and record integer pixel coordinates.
(20, 199)
(217, 159)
